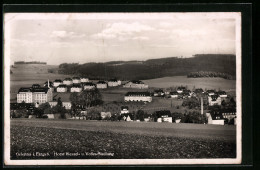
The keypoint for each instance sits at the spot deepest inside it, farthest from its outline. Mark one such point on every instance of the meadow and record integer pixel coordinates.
(126, 140)
(204, 83)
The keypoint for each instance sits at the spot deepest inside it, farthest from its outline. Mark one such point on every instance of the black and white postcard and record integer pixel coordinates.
(122, 88)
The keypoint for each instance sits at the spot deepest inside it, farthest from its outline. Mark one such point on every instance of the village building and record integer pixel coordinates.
(67, 105)
(138, 97)
(76, 88)
(105, 115)
(101, 85)
(124, 110)
(136, 84)
(215, 118)
(222, 94)
(214, 100)
(174, 94)
(84, 80)
(67, 81)
(211, 92)
(159, 93)
(114, 83)
(89, 86)
(76, 80)
(62, 88)
(33, 95)
(180, 89)
(57, 82)
(164, 116)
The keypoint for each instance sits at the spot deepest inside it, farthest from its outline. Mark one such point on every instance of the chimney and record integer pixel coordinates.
(201, 105)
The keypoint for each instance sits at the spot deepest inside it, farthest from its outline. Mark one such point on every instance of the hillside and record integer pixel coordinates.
(154, 68)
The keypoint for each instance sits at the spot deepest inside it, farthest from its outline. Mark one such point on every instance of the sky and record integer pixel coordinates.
(101, 37)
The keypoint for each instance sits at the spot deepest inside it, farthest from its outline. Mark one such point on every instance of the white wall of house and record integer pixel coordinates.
(124, 111)
(67, 82)
(76, 81)
(217, 102)
(113, 83)
(75, 89)
(89, 87)
(223, 95)
(84, 80)
(101, 86)
(214, 122)
(27, 97)
(56, 84)
(137, 86)
(62, 89)
(138, 98)
(174, 96)
(167, 119)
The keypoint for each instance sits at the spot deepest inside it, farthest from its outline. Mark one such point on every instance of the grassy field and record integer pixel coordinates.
(208, 83)
(126, 140)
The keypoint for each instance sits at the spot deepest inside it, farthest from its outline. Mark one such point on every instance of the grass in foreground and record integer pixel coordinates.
(122, 146)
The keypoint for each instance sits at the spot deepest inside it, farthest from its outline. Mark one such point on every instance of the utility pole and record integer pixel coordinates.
(201, 105)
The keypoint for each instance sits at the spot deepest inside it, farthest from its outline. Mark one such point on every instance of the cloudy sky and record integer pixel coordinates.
(81, 38)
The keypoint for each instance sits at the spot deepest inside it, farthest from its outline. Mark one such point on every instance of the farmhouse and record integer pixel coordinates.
(101, 85)
(89, 86)
(164, 116)
(214, 100)
(124, 110)
(76, 88)
(180, 89)
(76, 80)
(174, 94)
(57, 82)
(158, 93)
(136, 84)
(215, 118)
(33, 95)
(62, 88)
(84, 80)
(211, 92)
(222, 94)
(138, 96)
(67, 81)
(114, 82)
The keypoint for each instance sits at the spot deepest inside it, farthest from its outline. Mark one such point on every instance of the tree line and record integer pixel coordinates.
(209, 74)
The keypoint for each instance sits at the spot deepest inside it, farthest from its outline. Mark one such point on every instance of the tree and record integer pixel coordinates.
(140, 115)
(59, 103)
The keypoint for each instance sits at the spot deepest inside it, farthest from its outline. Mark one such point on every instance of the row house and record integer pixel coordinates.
(138, 96)
(57, 82)
(136, 84)
(67, 81)
(76, 80)
(101, 85)
(89, 86)
(114, 83)
(84, 80)
(76, 88)
(62, 88)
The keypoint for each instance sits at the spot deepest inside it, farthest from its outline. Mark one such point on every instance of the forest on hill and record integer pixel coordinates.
(153, 68)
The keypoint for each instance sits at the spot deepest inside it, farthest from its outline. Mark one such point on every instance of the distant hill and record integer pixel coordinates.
(30, 62)
(153, 68)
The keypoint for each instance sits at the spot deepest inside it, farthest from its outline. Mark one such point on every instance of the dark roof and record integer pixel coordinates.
(62, 86)
(221, 92)
(216, 116)
(214, 97)
(181, 88)
(163, 112)
(58, 81)
(124, 107)
(210, 91)
(76, 85)
(137, 82)
(14, 106)
(113, 80)
(138, 94)
(76, 78)
(41, 89)
(158, 91)
(88, 84)
(25, 89)
(174, 93)
(68, 79)
(101, 82)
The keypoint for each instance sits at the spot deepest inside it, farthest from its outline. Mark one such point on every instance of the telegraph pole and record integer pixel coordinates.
(201, 99)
